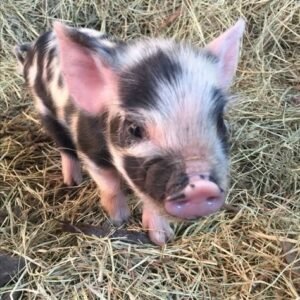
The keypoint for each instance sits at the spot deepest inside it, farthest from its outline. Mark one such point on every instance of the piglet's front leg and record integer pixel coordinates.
(112, 198)
(156, 225)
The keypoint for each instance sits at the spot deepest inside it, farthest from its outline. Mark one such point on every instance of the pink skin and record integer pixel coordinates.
(100, 80)
(112, 199)
(70, 169)
(226, 48)
(201, 198)
(156, 225)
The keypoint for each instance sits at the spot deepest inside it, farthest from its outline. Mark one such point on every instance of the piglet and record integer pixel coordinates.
(149, 111)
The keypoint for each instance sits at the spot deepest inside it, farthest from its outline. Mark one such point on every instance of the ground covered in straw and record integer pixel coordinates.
(249, 252)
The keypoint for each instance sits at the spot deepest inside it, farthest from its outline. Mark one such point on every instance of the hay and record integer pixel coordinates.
(225, 256)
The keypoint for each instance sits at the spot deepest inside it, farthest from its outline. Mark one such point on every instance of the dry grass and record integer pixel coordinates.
(225, 256)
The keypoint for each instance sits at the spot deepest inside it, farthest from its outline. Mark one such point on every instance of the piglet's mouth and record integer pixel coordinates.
(200, 199)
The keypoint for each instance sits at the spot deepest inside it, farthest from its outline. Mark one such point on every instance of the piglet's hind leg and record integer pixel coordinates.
(70, 169)
(62, 137)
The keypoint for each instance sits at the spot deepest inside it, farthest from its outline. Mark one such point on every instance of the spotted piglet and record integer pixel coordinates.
(150, 111)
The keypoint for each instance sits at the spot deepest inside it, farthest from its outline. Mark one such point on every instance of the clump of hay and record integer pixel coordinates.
(231, 255)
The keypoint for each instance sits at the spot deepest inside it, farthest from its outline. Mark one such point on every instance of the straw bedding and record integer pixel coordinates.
(250, 251)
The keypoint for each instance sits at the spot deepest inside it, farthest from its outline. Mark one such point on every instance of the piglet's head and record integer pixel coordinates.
(165, 104)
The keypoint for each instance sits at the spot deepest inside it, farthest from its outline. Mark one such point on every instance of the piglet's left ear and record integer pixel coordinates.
(226, 48)
(91, 81)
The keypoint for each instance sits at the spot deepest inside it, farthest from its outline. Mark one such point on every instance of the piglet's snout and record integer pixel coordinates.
(201, 197)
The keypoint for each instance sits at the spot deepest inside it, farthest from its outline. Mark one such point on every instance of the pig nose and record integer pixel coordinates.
(201, 197)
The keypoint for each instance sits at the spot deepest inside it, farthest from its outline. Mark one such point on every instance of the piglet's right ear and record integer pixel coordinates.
(90, 81)
(226, 48)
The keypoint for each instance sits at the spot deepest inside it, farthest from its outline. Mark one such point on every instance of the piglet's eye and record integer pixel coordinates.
(136, 131)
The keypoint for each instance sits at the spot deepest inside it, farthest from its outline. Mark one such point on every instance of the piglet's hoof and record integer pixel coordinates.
(120, 216)
(158, 228)
(117, 208)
